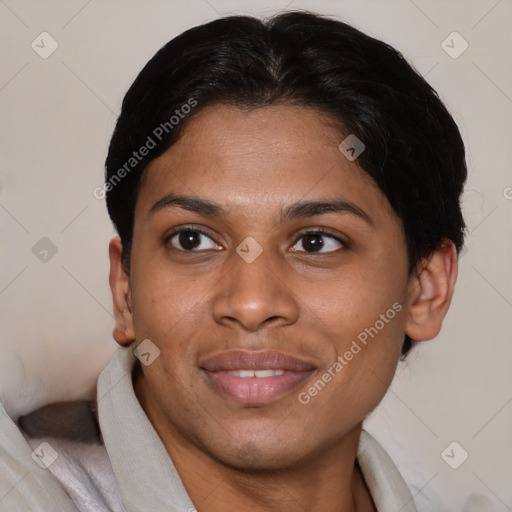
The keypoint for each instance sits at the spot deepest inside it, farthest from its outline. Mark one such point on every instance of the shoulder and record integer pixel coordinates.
(25, 484)
(66, 436)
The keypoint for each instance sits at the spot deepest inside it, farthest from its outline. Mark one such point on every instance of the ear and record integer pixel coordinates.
(430, 292)
(119, 281)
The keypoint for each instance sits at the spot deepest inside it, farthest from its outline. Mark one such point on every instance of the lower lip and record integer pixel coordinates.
(256, 390)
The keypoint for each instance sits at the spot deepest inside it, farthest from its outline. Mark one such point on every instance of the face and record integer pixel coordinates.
(253, 291)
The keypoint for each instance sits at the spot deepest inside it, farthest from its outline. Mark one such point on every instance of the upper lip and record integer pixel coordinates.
(255, 360)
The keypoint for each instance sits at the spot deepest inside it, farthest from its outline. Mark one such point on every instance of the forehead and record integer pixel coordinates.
(263, 156)
(261, 135)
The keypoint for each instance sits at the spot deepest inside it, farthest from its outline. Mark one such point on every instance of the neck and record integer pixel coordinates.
(328, 481)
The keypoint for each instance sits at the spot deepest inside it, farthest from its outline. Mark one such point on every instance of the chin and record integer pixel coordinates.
(258, 455)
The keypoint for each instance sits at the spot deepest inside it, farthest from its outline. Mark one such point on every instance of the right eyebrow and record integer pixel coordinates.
(190, 203)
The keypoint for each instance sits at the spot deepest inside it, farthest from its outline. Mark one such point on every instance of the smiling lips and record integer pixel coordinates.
(253, 378)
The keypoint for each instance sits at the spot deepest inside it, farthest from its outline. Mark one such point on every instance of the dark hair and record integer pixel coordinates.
(413, 149)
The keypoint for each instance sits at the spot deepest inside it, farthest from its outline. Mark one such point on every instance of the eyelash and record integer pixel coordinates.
(309, 231)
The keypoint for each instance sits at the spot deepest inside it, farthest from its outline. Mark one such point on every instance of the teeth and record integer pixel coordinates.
(256, 373)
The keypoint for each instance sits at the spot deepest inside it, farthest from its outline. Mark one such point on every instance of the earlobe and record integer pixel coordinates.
(431, 292)
(121, 295)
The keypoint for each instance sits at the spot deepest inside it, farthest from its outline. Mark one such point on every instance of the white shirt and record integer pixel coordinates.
(132, 471)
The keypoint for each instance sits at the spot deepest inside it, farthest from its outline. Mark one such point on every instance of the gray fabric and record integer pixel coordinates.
(387, 487)
(24, 485)
(143, 469)
(84, 470)
(132, 472)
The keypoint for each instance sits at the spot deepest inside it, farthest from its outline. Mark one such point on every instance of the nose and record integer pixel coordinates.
(255, 295)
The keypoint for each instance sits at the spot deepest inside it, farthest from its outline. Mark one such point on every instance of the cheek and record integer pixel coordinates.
(162, 301)
(169, 311)
(362, 373)
(364, 316)
(355, 300)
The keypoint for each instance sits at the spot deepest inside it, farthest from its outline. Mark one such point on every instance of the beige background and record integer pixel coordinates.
(57, 117)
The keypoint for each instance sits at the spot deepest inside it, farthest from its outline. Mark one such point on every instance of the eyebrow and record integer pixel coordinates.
(298, 210)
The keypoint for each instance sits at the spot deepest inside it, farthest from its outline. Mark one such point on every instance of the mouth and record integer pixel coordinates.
(255, 377)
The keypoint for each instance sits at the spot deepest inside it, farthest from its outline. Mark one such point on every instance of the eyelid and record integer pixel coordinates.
(189, 227)
(322, 231)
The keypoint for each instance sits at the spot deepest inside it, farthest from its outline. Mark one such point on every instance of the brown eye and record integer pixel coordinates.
(191, 240)
(318, 242)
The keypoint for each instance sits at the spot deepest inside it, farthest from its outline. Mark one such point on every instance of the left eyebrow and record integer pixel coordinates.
(299, 210)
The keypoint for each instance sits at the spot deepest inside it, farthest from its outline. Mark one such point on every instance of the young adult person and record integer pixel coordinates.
(286, 194)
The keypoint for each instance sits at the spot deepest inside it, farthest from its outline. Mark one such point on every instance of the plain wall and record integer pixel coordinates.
(57, 117)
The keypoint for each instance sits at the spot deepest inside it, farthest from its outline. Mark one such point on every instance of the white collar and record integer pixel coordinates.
(387, 487)
(145, 472)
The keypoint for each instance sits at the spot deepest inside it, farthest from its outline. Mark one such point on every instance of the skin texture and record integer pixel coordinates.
(282, 455)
